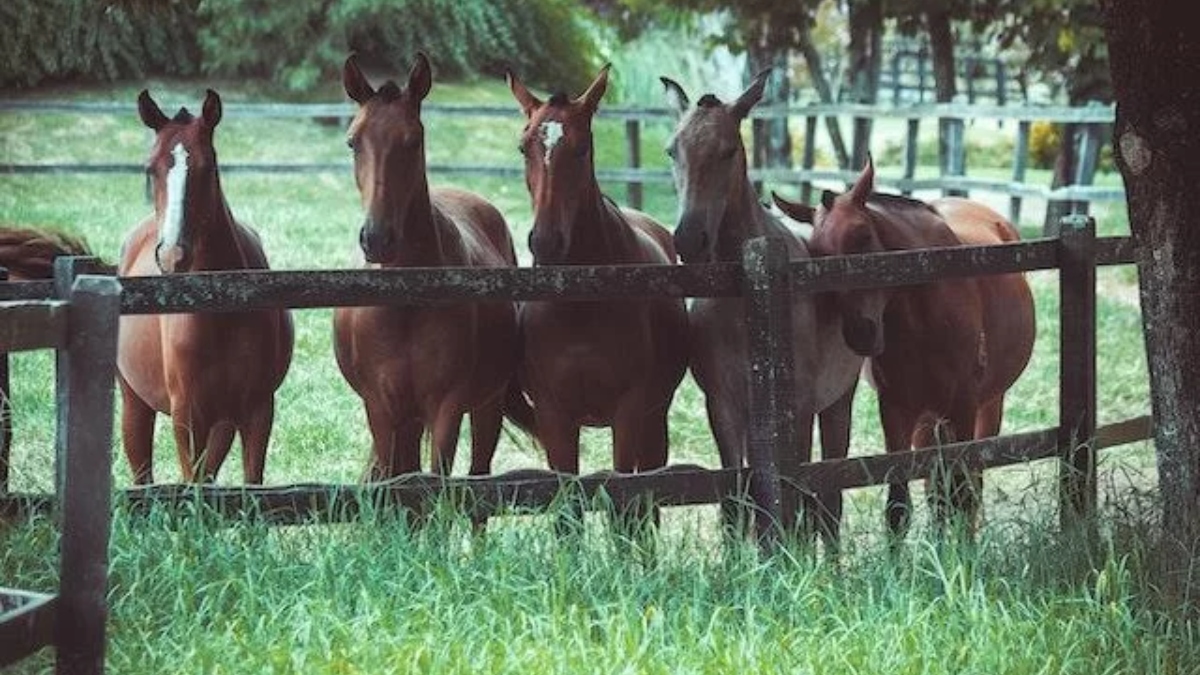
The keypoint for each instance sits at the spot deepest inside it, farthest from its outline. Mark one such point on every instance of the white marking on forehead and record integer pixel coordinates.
(172, 224)
(552, 133)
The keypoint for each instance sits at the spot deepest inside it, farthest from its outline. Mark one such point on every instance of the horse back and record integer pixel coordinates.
(486, 238)
(1005, 301)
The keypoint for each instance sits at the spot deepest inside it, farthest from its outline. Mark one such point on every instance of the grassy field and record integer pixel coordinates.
(191, 597)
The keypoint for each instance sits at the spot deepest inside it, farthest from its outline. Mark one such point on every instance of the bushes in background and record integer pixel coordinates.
(295, 44)
(48, 40)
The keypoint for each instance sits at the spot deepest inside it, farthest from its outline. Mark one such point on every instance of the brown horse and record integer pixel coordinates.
(942, 354)
(596, 363)
(215, 374)
(28, 253)
(718, 212)
(422, 367)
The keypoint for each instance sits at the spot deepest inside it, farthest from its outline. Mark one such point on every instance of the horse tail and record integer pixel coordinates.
(29, 253)
(518, 409)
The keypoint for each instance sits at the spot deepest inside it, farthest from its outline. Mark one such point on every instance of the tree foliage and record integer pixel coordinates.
(49, 40)
(298, 43)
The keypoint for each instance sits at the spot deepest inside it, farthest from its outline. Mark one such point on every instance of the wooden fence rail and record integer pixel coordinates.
(766, 279)
(1090, 123)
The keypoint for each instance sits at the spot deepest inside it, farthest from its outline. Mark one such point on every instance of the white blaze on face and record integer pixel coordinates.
(172, 223)
(552, 133)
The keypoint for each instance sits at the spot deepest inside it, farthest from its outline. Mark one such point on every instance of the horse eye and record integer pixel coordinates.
(521, 149)
(670, 151)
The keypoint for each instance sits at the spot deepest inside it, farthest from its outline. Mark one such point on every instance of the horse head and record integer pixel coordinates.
(182, 173)
(709, 163)
(559, 167)
(844, 225)
(388, 141)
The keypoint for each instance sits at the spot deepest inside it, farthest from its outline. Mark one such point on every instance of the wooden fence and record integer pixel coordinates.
(952, 120)
(83, 328)
(765, 277)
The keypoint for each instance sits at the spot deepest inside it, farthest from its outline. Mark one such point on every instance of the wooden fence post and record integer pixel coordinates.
(633, 146)
(1077, 396)
(6, 431)
(1087, 158)
(772, 433)
(87, 482)
(910, 152)
(66, 269)
(808, 157)
(1020, 162)
(955, 154)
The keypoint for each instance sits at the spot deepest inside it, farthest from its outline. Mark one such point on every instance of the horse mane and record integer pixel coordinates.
(390, 91)
(559, 99)
(183, 116)
(29, 253)
(894, 201)
(709, 101)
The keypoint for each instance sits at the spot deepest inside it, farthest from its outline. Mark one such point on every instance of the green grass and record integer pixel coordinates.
(188, 596)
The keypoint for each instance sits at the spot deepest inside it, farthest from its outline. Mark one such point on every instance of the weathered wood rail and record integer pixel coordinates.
(82, 327)
(771, 480)
(949, 119)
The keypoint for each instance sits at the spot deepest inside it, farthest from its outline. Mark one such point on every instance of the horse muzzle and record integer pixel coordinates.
(548, 246)
(692, 242)
(376, 242)
(863, 336)
(172, 259)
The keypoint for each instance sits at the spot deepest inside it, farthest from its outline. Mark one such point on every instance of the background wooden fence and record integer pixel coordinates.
(1092, 124)
(765, 277)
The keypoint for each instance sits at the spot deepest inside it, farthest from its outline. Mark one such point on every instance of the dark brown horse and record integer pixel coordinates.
(942, 354)
(419, 368)
(718, 212)
(597, 363)
(28, 253)
(215, 374)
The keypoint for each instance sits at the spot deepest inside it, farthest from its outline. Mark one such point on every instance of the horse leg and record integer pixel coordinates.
(559, 435)
(835, 444)
(255, 431)
(950, 490)
(639, 444)
(898, 422)
(191, 432)
(447, 422)
(137, 434)
(393, 448)
(216, 448)
(728, 422)
(485, 435)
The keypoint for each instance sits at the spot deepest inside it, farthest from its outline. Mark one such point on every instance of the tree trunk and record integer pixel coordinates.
(941, 42)
(812, 57)
(772, 143)
(866, 61)
(1154, 52)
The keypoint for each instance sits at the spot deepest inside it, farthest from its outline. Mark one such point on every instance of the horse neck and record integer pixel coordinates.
(600, 233)
(217, 246)
(744, 219)
(430, 237)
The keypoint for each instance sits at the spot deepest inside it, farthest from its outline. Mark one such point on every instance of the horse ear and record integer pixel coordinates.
(753, 94)
(676, 97)
(827, 197)
(211, 112)
(590, 99)
(420, 78)
(529, 103)
(797, 211)
(152, 115)
(865, 185)
(355, 83)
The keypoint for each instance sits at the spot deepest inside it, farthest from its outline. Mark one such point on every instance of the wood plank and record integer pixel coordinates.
(32, 324)
(26, 290)
(26, 623)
